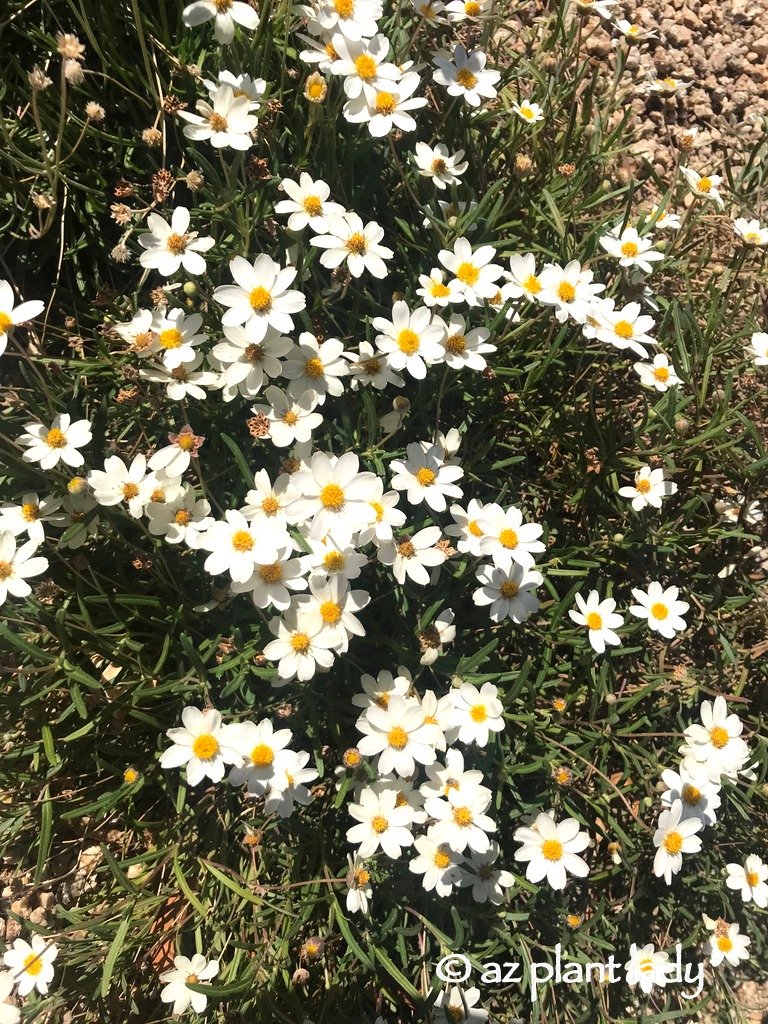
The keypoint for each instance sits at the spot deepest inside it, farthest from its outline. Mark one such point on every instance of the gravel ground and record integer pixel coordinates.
(722, 50)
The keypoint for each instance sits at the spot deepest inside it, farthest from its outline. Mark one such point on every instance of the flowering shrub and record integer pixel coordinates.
(382, 541)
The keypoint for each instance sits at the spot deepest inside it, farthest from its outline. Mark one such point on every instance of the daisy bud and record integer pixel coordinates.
(131, 775)
(73, 72)
(313, 948)
(152, 137)
(681, 425)
(456, 682)
(352, 758)
(562, 775)
(300, 976)
(610, 698)
(38, 79)
(95, 112)
(523, 164)
(316, 88)
(77, 485)
(573, 920)
(618, 538)
(401, 405)
(190, 288)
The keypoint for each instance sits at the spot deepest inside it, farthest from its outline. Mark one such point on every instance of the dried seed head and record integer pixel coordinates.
(258, 425)
(73, 72)
(69, 46)
(523, 163)
(120, 213)
(120, 253)
(194, 181)
(162, 183)
(152, 137)
(123, 189)
(94, 111)
(42, 202)
(567, 170)
(38, 79)
(172, 105)
(300, 976)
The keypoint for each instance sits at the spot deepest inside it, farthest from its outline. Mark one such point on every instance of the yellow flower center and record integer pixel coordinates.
(462, 816)
(474, 529)
(379, 824)
(187, 442)
(30, 512)
(6, 571)
(508, 539)
(659, 611)
(629, 249)
(300, 643)
(552, 849)
(527, 112)
(314, 368)
(455, 343)
(378, 509)
(333, 561)
(242, 541)
(408, 341)
(478, 713)
(344, 8)
(439, 166)
(176, 243)
(646, 966)
(465, 78)
(365, 67)
(5, 323)
(218, 123)
(315, 90)
(270, 506)
(398, 737)
(704, 185)
(183, 517)
(171, 338)
(724, 944)
(718, 737)
(385, 103)
(623, 329)
(33, 964)
(752, 878)
(312, 205)
(262, 755)
(566, 292)
(142, 341)
(205, 747)
(381, 700)
(472, 8)
(130, 775)
(356, 243)
(468, 273)
(532, 284)
(752, 237)
(362, 877)
(673, 843)
(439, 290)
(425, 477)
(290, 418)
(130, 491)
(406, 549)
(508, 589)
(56, 438)
(690, 794)
(594, 621)
(271, 573)
(260, 300)
(441, 859)
(643, 486)
(661, 373)
(330, 612)
(222, 6)
(371, 367)
(332, 496)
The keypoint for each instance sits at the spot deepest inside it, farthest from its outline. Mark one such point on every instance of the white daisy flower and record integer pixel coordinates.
(601, 7)
(464, 348)
(751, 232)
(177, 338)
(757, 349)
(600, 619)
(700, 796)
(466, 527)
(473, 270)
(386, 516)
(183, 381)
(12, 315)
(738, 509)
(224, 122)
(715, 745)
(749, 878)
(461, 820)
(359, 890)
(398, 734)
(241, 85)
(381, 824)
(204, 744)
(196, 970)
(434, 291)
(410, 555)
(551, 850)
(431, 11)
(76, 511)
(704, 185)
(523, 279)
(727, 944)
(30, 516)
(262, 751)
(506, 539)
(452, 775)
(170, 246)
(236, 546)
(476, 713)
(316, 367)
(634, 33)
(650, 488)
(661, 608)
(528, 111)
(141, 333)
(665, 221)
(674, 836)
(348, 239)
(31, 964)
(437, 163)
(16, 565)
(173, 459)
(411, 339)
(465, 75)
(246, 364)
(57, 443)
(307, 204)
(667, 86)
(647, 968)
(354, 19)
(301, 645)
(273, 583)
(459, 1005)
(388, 109)
(372, 367)
(8, 1014)
(261, 297)
(426, 477)
(287, 785)
(569, 289)
(379, 691)
(660, 374)
(509, 592)
(488, 881)
(337, 604)
(364, 66)
(438, 863)
(437, 635)
(290, 420)
(182, 519)
(267, 500)
(118, 483)
(630, 249)
(460, 10)
(333, 494)
(226, 13)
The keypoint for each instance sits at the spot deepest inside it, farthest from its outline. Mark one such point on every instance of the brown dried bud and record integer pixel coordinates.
(162, 183)
(489, 373)
(47, 592)
(172, 105)
(257, 169)
(563, 776)
(313, 948)
(258, 425)
(158, 296)
(42, 202)
(444, 545)
(352, 758)
(120, 253)
(128, 396)
(429, 637)
(567, 170)
(123, 188)
(94, 111)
